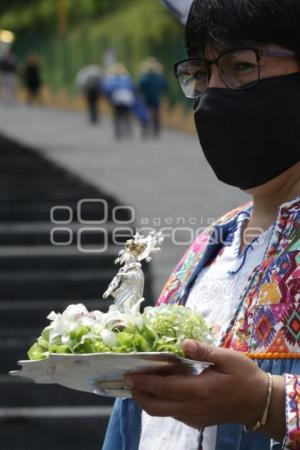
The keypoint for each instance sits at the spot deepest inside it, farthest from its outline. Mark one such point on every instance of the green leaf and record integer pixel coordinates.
(36, 352)
(141, 345)
(63, 349)
(46, 332)
(43, 343)
(80, 331)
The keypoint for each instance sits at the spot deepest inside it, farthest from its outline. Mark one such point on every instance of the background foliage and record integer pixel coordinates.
(43, 14)
(96, 29)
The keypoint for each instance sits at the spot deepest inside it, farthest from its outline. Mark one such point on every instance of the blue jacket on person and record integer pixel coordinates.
(117, 82)
(152, 86)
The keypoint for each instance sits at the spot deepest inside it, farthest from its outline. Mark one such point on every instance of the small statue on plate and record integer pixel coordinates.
(127, 287)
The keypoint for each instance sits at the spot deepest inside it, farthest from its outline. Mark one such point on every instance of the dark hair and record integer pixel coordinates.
(239, 22)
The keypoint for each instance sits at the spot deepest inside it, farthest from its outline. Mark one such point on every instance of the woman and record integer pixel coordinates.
(32, 78)
(120, 91)
(152, 85)
(243, 72)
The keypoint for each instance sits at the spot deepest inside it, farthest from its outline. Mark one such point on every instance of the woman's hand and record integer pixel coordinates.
(233, 390)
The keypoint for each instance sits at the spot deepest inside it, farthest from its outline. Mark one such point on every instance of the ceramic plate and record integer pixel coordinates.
(103, 373)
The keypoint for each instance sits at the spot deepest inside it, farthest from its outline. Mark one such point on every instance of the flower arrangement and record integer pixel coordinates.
(160, 329)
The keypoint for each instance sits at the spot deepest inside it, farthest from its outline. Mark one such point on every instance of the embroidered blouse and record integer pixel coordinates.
(216, 294)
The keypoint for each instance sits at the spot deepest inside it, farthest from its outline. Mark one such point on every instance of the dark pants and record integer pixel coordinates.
(153, 125)
(122, 121)
(33, 93)
(92, 99)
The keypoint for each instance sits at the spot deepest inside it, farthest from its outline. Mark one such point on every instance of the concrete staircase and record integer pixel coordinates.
(37, 277)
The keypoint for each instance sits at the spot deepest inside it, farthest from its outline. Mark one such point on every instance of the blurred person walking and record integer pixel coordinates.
(89, 80)
(120, 91)
(152, 84)
(32, 78)
(8, 77)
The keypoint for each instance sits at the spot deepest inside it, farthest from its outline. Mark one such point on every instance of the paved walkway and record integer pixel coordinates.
(167, 181)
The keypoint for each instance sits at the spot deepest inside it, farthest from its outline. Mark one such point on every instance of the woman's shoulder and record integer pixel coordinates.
(196, 252)
(203, 239)
(233, 213)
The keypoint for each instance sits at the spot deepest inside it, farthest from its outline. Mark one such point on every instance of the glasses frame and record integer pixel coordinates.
(259, 52)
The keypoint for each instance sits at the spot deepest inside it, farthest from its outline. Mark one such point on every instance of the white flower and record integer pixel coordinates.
(63, 323)
(116, 319)
(109, 338)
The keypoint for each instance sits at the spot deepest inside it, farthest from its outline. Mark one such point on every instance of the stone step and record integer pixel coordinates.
(32, 309)
(25, 319)
(39, 233)
(81, 428)
(14, 349)
(39, 183)
(98, 210)
(50, 257)
(28, 167)
(74, 285)
(29, 193)
(20, 392)
(23, 158)
(39, 177)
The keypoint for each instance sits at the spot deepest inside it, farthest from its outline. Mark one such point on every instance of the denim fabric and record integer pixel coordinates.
(124, 428)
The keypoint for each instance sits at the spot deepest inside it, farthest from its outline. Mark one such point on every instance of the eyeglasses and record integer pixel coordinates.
(238, 68)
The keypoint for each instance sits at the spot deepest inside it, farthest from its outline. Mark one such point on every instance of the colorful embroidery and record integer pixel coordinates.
(174, 289)
(292, 383)
(269, 293)
(280, 268)
(264, 327)
(267, 323)
(263, 319)
(291, 321)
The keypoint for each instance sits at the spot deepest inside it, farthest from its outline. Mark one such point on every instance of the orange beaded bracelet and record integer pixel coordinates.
(270, 355)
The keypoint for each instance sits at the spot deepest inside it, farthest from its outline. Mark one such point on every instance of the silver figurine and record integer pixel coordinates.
(127, 287)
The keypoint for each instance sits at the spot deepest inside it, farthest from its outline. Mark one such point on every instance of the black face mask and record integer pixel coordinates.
(251, 136)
